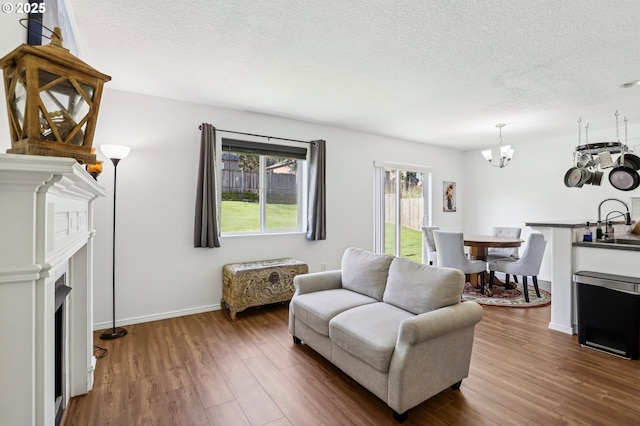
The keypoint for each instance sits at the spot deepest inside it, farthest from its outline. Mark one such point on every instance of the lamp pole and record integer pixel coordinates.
(115, 154)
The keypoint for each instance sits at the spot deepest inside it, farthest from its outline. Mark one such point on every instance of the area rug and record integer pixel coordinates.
(509, 298)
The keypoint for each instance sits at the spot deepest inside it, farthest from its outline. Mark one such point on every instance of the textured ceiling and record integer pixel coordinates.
(435, 71)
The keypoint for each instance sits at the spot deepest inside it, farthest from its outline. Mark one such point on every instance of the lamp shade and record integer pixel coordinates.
(506, 151)
(117, 152)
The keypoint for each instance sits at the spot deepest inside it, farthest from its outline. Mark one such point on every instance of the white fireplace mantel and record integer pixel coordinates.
(46, 231)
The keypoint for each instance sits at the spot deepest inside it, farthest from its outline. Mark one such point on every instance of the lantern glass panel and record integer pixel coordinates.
(67, 104)
(18, 103)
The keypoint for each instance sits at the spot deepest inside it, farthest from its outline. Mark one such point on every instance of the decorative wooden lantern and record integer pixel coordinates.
(52, 101)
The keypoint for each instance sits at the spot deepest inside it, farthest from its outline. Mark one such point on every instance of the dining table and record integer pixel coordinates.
(479, 250)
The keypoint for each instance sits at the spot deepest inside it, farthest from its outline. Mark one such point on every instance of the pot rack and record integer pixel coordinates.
(591, 158)
(598, 147)
(600, 152)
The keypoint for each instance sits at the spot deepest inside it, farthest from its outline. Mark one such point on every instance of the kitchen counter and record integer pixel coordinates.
(628, 242)
(567, 253)
(560, 223)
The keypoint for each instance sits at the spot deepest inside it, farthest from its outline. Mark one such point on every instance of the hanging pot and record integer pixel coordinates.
(596, 178)
(586, 177)
(573, 177)
(624, 178)
(585, 160)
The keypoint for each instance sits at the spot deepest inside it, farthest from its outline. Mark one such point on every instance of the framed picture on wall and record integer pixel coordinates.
(448, 196)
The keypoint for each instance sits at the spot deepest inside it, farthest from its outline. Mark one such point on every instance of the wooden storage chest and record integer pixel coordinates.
(259, 283)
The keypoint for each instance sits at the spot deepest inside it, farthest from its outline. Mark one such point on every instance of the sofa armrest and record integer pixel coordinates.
(439, 322)
(433, 352)
(317, 281)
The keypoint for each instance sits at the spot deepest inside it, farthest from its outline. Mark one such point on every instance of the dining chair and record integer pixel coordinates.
(429, 245)
(450, 249)
(494, 253)
(502, 252)
(527, 266)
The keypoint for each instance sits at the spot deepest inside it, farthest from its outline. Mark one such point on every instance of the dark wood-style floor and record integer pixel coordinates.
(206, 369)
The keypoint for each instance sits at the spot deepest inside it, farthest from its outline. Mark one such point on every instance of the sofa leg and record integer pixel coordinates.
(296, 340)
(400, 418)
(456, 386)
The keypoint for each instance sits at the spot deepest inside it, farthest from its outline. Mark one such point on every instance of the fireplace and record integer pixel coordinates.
(60, 330)
(46, 286)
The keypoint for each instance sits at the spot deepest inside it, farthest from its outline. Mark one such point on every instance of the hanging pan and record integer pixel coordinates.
(630, 160)
(573, 177)
(623, 177)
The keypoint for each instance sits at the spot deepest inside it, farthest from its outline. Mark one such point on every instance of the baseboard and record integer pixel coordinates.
(561, 327)
(156, 317)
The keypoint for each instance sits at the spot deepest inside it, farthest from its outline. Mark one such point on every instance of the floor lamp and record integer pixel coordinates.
(115, 154)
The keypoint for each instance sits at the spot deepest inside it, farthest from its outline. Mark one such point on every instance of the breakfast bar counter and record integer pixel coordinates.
(568, 254)
(560, 236)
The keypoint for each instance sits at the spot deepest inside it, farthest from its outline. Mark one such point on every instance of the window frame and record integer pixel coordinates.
(301, 183)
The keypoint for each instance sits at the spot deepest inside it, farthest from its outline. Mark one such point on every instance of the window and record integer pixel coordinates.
(263, 187)
(403, 207)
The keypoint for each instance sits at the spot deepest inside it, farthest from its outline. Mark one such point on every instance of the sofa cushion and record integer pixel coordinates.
(316, 309)
(420, 288)
(369, 332)
(365, 272)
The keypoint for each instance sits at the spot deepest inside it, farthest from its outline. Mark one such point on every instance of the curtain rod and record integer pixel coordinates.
(260, 136)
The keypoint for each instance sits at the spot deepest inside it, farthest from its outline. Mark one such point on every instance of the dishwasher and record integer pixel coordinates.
(608, 308)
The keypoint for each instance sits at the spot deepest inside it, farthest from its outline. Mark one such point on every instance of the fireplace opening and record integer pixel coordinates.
(60, 329)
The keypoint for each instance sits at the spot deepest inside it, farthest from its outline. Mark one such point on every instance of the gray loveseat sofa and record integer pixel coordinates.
(395, 326)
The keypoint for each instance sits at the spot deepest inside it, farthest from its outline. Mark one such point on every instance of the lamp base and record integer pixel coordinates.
(113, 333)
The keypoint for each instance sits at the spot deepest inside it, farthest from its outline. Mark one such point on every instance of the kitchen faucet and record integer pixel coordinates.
(627, 215)
(608, 229)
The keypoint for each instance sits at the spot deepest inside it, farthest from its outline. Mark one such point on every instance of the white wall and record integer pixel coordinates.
(159, 273)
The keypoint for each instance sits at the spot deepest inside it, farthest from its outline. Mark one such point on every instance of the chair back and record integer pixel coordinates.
(428, 244)
(450, 249)
(507, 232)
(531, 260)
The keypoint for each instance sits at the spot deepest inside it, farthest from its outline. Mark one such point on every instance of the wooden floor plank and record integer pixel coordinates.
(208, 369)
(210, 384)
(255, 402)
(294, 405)
(227, 414)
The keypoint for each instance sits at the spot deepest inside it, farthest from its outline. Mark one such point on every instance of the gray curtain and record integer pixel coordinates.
(207, 219)
(317, 215)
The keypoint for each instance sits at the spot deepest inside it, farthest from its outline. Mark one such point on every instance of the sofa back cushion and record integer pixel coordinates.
(365, 272)
(420, 288)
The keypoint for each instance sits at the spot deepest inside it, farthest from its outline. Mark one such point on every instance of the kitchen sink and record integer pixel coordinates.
(627, 241)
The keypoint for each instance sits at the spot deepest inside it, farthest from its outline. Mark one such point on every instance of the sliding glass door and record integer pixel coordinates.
(402, 209)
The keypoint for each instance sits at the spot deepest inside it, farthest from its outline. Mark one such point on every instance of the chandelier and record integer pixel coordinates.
(505, 152)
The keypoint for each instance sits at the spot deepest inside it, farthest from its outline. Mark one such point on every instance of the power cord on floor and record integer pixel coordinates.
(99, 352)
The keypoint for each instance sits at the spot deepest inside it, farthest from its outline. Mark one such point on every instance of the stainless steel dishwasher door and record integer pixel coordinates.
(608, 309)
